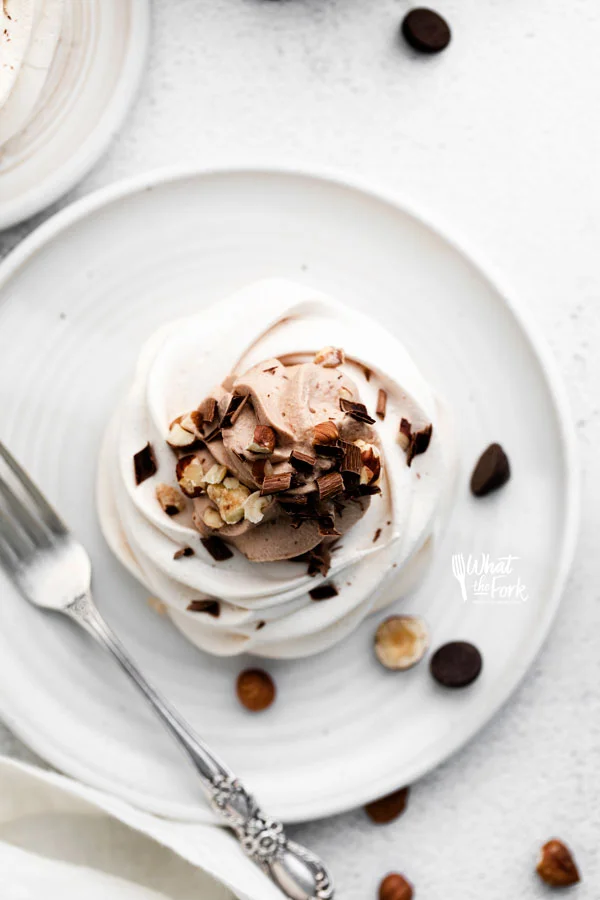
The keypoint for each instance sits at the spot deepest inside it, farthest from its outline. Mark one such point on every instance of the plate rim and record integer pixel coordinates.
(312, 808)
(42, 195)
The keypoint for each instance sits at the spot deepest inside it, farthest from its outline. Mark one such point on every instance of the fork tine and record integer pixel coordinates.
(44, 510)
(15, 542)
(23, 518)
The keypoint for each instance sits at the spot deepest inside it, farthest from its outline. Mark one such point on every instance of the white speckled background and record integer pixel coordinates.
(499, 140)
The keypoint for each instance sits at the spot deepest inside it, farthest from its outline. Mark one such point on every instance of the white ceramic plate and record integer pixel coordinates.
(78, 299)
(94, 76)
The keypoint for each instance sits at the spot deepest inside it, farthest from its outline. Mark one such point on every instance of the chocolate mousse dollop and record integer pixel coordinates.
(301, 470)
(290, 432)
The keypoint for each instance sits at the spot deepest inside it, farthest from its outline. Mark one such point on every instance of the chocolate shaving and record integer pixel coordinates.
(234, 410)
(273, 484)
(331, 451)
(419, 442)
(294, 499)
(352, 462)
(212, 435)
(258, 470)
(197, 418)
(144, 464)
(270, 370)
(303, 462)
(212, 607)
(329, 485)
(217, 548)
(377, 535)
(319, 560)
(184, 551)
(209, 410)
(381, 404)
(327, 527)
(324, 592)
(405, 433)
(357, 411)
(361, 490)
(260, 625)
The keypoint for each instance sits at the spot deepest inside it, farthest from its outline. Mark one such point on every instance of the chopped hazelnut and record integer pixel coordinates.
(170, 499)
(330, 357)
(179, 436)
(229, 496)
(254, 507)
(212, 518)
(263, 441)
(190, 476)
(325, 433)
(215, 474)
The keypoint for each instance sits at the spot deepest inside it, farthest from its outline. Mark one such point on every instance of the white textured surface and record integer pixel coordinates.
(498, 139)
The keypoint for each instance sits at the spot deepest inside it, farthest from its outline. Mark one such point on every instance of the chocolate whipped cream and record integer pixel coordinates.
(288, 455)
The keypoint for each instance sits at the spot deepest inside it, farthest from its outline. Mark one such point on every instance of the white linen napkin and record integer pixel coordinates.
(60, 840)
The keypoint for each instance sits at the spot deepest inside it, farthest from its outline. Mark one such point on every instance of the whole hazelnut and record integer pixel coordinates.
(395, 887)
(388, 808)
(556, 865)
(255, 689)
(401, 642)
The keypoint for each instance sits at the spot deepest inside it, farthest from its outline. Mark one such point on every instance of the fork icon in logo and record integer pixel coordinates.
(459, 570)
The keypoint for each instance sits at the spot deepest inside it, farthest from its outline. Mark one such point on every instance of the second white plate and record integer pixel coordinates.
(78, 299)
(94, 76)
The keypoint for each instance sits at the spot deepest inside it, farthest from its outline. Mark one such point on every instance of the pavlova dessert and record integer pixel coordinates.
(278, 472)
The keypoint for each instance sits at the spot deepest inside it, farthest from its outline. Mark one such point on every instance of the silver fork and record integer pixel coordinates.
(53, 571)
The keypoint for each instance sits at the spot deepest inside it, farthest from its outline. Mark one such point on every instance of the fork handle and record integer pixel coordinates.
(297, 871)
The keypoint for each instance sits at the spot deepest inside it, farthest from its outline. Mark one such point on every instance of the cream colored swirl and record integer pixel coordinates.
(265, 607)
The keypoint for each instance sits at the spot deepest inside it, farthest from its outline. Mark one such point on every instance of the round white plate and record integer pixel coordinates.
(77, 301)
(92, 81)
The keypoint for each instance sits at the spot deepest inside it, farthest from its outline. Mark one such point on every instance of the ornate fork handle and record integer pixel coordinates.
(299, 873)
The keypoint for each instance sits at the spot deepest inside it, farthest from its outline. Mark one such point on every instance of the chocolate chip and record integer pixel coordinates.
(217, 548)
(426, 31)
(324, 592)
(144, 464)
(456, 664)
(388, 808)
(212, 607)
(491, 471)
